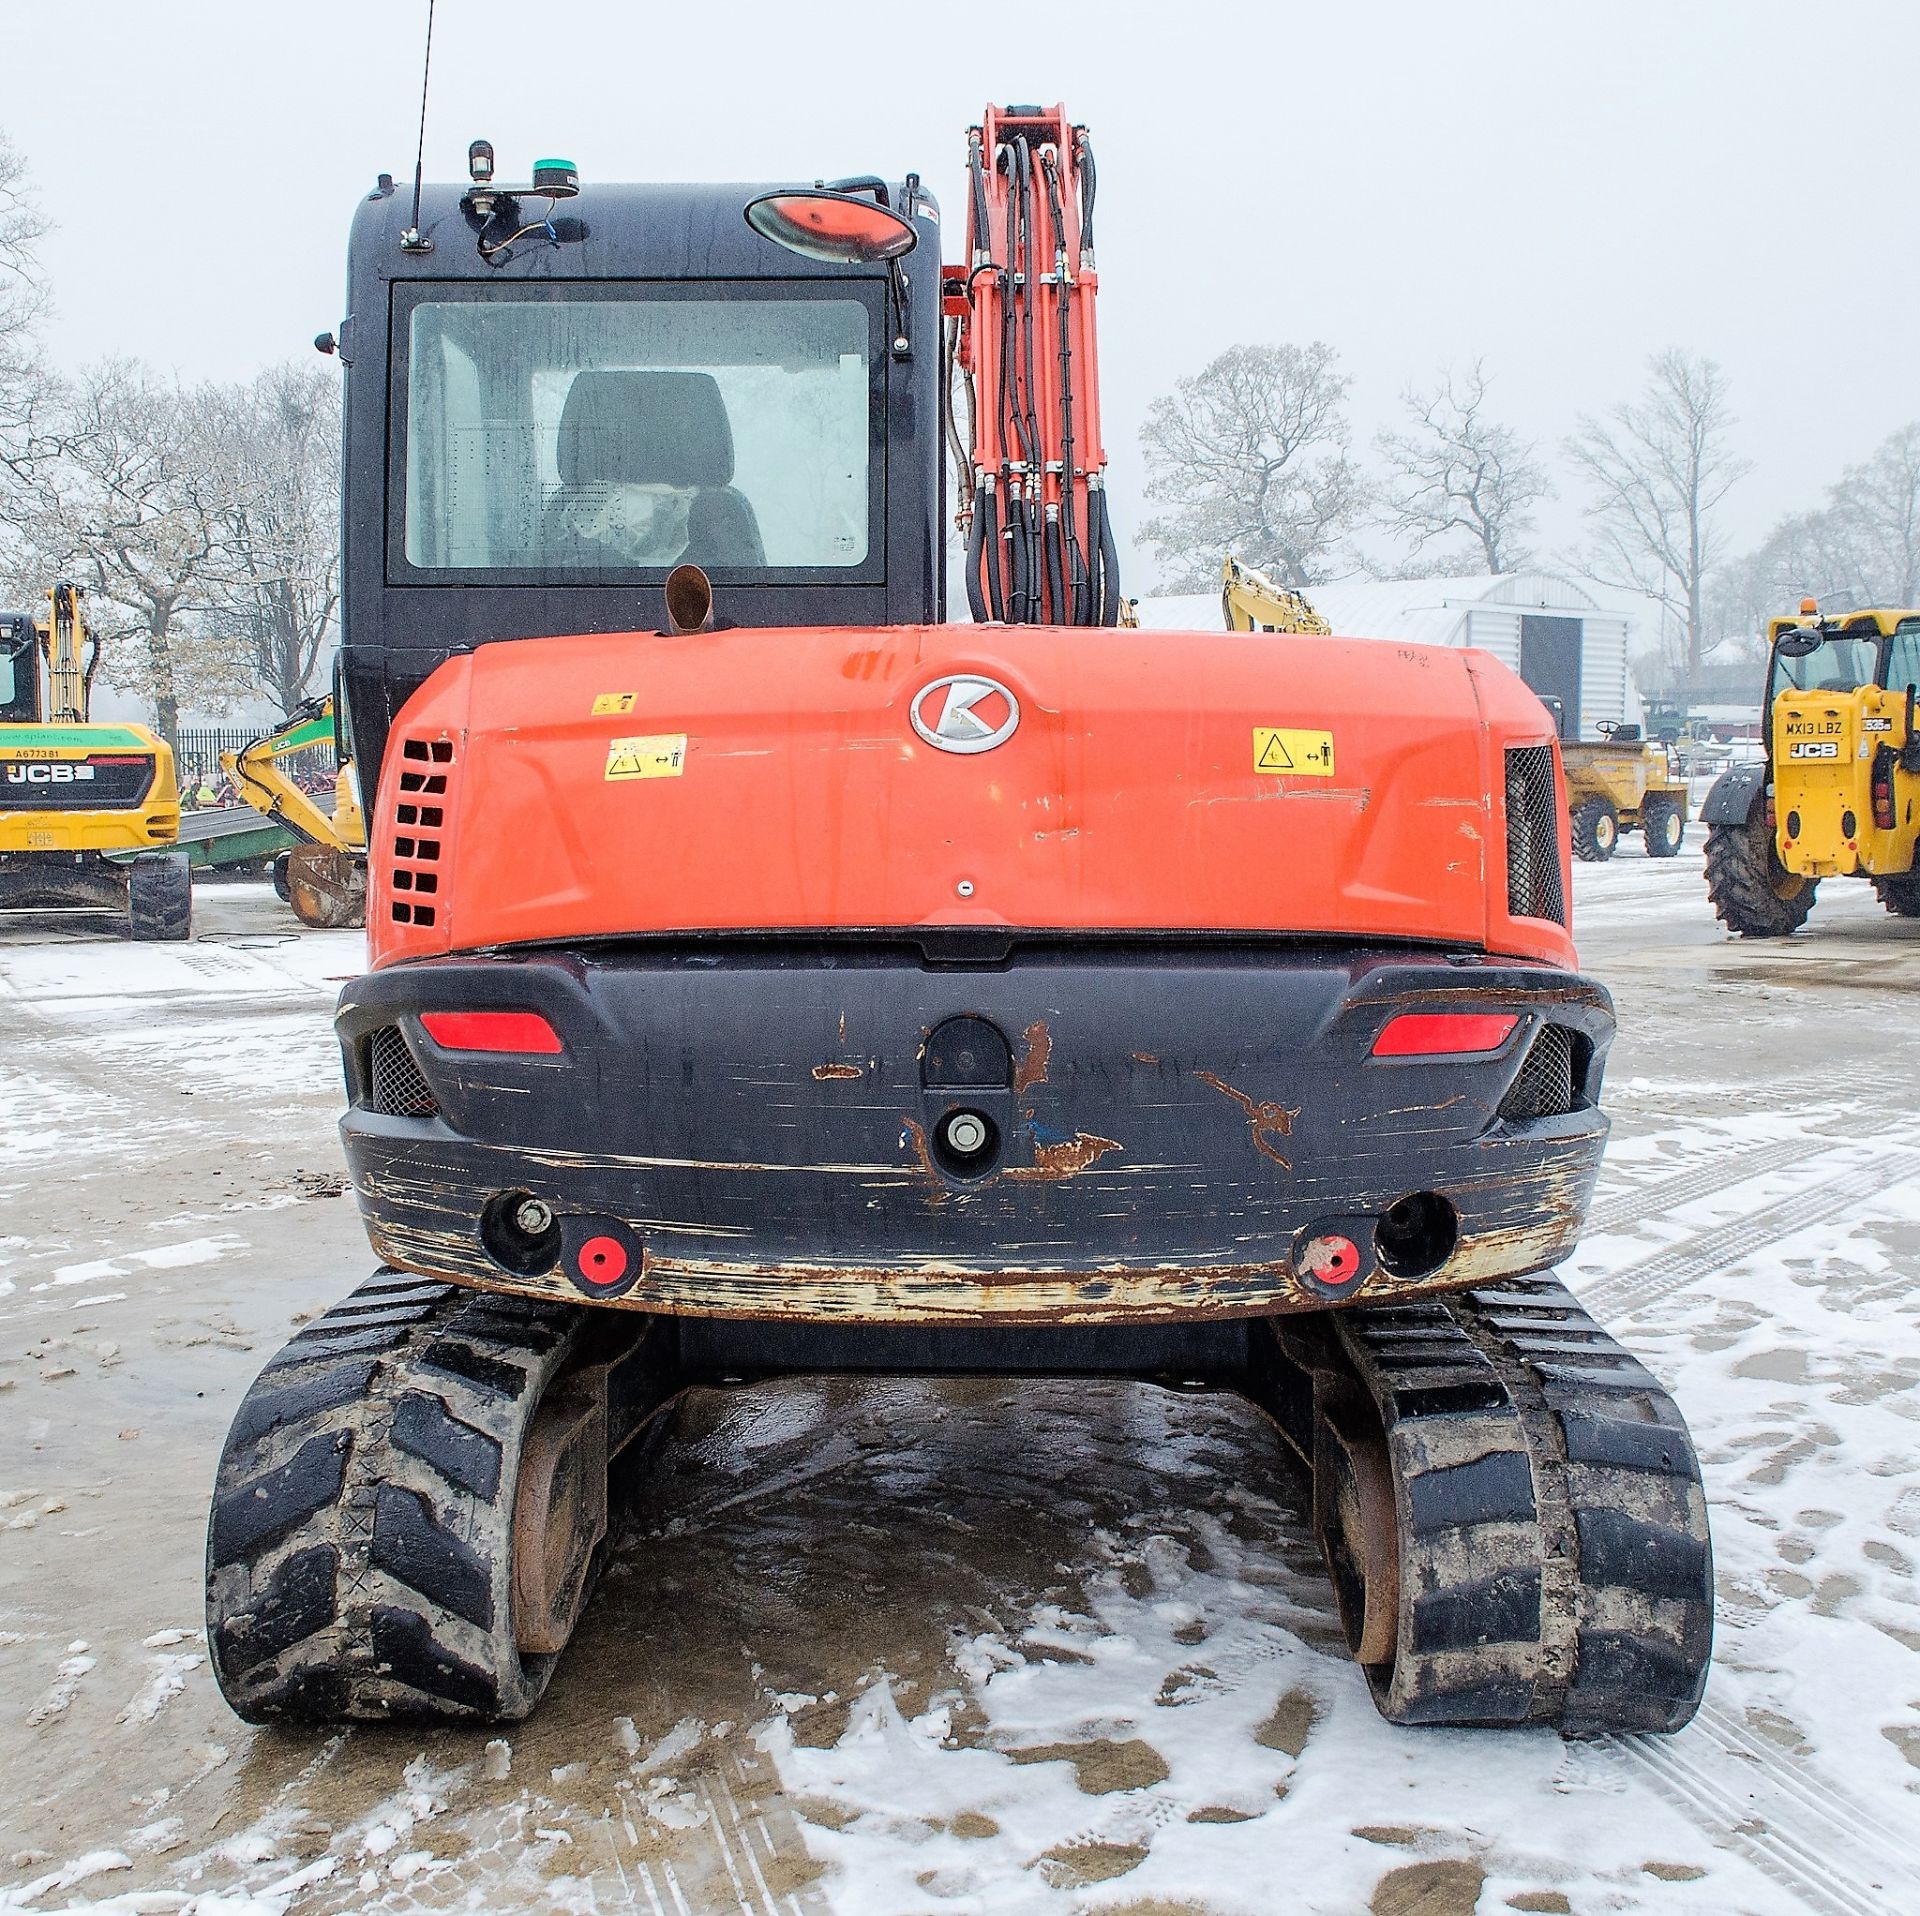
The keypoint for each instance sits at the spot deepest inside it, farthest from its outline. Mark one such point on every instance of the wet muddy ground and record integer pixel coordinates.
(895, 1646)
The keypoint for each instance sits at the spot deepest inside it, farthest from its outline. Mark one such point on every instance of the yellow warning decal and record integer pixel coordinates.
(662, 756)
(613, 702)
(1280, 748)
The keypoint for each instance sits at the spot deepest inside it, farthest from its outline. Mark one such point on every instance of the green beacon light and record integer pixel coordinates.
(561, 178)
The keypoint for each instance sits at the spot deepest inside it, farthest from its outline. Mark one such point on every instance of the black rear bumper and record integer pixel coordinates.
(758, 1128)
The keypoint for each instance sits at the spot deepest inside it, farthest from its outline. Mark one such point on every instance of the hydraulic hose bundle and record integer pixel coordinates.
(1039, 548)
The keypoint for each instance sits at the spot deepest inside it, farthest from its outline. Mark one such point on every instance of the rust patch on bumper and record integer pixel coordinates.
(1054, 1162)
(1266, 1121)
(956, 1294)
(827, 1073)
(1032, 1068)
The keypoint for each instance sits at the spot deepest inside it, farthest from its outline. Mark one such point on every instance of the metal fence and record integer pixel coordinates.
(197, 760)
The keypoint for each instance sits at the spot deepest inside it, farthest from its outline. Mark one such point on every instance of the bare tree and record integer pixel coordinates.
(127, 508)
(1879, 502)
(1861, 548)
(24, 382)
(1456, 472)
(272, 450)
(1659, 466)
(1251, 457)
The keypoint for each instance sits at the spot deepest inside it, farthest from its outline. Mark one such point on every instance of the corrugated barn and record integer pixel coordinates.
(1568, 646)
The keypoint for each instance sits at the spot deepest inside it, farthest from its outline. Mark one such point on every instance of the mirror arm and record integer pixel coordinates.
(902, 310)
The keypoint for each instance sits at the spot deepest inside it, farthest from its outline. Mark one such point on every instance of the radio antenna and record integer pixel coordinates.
(413, 240)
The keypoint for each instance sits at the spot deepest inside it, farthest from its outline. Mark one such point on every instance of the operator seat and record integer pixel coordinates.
(636, 451)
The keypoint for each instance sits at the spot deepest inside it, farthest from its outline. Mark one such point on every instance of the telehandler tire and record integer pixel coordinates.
(1596, 830)
(1900, 894)
(160, 898)
(1753, 894)
(1663, 827)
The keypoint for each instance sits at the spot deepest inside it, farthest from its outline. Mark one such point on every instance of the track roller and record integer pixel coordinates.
(1510, 1509)
(411, 1505)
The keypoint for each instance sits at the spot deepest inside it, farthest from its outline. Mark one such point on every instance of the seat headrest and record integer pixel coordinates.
(645, 429)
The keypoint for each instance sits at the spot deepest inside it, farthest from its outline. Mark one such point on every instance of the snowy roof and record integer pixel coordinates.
(1418, 611)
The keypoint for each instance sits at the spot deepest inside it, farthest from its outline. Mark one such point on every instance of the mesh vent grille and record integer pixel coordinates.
(1544, 1088)
(1533, 836)
(399, 1091)
(419, 817)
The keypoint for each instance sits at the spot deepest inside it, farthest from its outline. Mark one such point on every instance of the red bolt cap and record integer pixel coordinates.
(602, 1260)
(1332, 1260)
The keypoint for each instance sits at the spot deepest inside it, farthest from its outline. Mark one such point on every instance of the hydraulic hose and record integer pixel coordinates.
(1109, 565)
(989, 516)
(1017, 572)
(1089, 184)
(1056, 607)
(976, 539)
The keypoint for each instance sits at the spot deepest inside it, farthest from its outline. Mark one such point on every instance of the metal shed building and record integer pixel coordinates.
(1569, 647)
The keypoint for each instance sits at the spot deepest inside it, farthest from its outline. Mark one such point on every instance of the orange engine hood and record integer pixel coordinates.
(554, 790)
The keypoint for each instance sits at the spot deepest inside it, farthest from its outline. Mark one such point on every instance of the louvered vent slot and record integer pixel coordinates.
(398, 1089)
(1545, 1086)
(1533, 836)
(419, 818)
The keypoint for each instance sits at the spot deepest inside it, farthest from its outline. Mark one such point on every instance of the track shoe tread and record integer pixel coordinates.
(359, 1550)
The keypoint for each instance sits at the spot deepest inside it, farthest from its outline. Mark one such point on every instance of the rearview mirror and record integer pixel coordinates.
(840, 228)
(1799, 640)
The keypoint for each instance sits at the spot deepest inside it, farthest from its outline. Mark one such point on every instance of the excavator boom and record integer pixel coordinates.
(1040, 550)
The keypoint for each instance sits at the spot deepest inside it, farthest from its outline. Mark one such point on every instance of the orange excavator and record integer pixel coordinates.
(769, 976)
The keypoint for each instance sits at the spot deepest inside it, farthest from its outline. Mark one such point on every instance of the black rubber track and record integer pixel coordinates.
(1555, 1566)
(358, 1554)
(1743, 872)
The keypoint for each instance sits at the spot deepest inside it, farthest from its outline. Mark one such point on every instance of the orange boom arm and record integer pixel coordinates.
(1039, 548)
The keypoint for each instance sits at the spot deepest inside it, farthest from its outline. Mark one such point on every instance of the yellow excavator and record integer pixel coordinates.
(89, 814)
(1838, 793)
(324, 878)
(1253, 602)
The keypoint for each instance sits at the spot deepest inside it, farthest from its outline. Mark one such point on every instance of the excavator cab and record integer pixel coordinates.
(543, 424)
(19, 670)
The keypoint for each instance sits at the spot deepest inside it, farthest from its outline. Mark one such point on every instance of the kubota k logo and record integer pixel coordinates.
(964, 712)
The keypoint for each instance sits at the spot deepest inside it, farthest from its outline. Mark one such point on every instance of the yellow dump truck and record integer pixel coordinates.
(1622, 782)
(1838, 791)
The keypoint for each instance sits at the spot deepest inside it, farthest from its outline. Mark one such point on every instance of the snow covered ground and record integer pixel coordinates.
(887, 1647)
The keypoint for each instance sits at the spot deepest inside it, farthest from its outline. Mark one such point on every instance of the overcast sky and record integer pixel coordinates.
(1561, 189)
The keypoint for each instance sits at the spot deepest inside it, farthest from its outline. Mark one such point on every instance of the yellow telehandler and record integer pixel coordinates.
(1838, 791)
(89, 814)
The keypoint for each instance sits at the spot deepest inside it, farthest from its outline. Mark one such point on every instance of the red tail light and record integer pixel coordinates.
(523, 1032)
(1882, 783)
(1444, 1034)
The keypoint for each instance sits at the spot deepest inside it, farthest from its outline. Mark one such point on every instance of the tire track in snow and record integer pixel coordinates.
(1890, 1160)
(1750, 1796)
(1745, 1793)
(1624, 1209)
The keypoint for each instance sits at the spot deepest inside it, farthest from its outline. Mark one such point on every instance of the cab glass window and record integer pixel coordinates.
(1840, 665)
(17, 667)
(1903, 656)
(586, 435)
